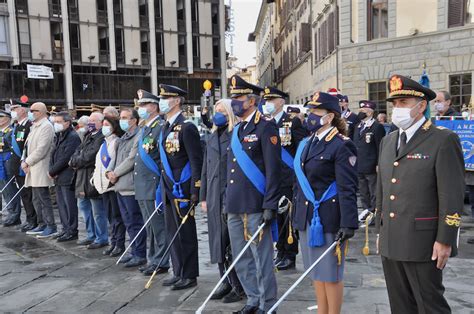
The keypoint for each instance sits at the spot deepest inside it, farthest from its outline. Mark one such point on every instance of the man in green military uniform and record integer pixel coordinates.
(420, 192)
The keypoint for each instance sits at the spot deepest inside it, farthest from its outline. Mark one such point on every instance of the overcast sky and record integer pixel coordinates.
(245, 17)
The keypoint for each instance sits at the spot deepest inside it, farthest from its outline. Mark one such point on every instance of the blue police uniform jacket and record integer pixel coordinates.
(186, 137)
(145, 180)
(333, 158)
(352, 120)
(260, 140)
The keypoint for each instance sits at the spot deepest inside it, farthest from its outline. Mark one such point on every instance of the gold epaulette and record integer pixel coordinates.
(331, 134)
(427, 125)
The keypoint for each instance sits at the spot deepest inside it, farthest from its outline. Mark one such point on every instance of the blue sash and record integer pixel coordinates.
(316, 233)
(104, 155)
(3, 170)
(185, 173)
(17, 150)
(151, 165)
(287, 158)
(251, 171)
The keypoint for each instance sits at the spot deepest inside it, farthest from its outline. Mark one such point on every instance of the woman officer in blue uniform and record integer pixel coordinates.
(326, 202)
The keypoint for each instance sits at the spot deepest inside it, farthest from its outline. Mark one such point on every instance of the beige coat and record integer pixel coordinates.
(37, 154)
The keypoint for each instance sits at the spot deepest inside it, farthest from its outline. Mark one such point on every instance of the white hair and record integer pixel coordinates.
(112, 111)
(99, 115)
(84, 120)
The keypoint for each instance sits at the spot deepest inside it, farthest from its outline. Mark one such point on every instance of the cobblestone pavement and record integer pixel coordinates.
(44, 276)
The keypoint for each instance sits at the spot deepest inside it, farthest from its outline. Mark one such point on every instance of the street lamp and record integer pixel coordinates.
(207, 65)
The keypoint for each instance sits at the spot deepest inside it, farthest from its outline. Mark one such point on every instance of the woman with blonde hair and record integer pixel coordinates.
(212, 196)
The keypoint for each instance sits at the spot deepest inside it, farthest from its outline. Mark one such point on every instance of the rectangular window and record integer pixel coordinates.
(196, 59)
(119, 46)
(460, 12)
(73, 10)
(101, 11)
(143, 11)
(4, 51)
(159, 14)
(118, 16)
(182, 50)
(21, 6)
(160, 55)
(377, 19)
(24, 35)
(460, 87)
(180, 16)
(55, 8)
(377, 92)
(75, 42)
(144, 48)
(103, 45)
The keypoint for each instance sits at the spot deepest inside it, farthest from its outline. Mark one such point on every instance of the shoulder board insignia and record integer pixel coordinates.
(426, 125)
(267, 118)
(197, 184)
(343, 137)
(258, 116)
(331, 134)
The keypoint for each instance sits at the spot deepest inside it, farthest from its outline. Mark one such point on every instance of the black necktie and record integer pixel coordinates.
(403, 141)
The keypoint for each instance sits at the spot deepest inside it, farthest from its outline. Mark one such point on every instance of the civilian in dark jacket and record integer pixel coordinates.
(65, 144)
(367, 138)
(443, 107)
(89, 201)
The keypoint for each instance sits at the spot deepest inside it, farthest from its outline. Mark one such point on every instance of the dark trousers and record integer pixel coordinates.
(367, 183)
(286, 250)
(117, 236)
(184, 250)
(14, 209)
(27, 200)
(133, 219)
(232, 278)
(67, 207)
(43, 206)
(471, 199)
(414, 287)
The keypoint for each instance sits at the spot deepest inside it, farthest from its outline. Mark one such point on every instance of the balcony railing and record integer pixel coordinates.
(160, 60)
(118, 18)
(181, 26)
(103, 56)
(54, 10)
(183, 62)
(196, 62)
(102, 17)
(143, 21)
(58, 53)
(145, 58)
(121, 57)
(73, 14)
(76, 54)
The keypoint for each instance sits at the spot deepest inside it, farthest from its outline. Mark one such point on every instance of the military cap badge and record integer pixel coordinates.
(395, 84)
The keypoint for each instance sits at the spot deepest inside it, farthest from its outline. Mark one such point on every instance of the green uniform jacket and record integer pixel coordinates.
(420, 193)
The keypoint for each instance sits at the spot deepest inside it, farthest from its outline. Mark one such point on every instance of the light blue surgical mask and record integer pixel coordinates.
(269, 108)
(14, 115)
(124, 125)
(164, 105)
(31, 116)
(107, 130)
(143, 113)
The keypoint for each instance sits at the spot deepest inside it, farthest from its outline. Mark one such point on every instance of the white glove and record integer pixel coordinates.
(283, 204)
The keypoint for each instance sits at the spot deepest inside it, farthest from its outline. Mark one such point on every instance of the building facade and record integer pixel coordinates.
(103, 51)
(357, 45)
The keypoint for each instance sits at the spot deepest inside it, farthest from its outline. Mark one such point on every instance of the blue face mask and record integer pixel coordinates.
(124, 125)
(143, 113)
(313, 122)
(164, 105)
(238, 107)
(107, 130)
(219, 119)
(31, 116)
(269, 108)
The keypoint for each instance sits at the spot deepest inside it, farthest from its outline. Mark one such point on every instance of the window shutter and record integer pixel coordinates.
(456, 10)
(336, 27)
(315, 46)
(331, 35)
(306, 37)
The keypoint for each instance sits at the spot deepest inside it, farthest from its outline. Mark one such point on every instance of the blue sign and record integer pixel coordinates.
(465, 130)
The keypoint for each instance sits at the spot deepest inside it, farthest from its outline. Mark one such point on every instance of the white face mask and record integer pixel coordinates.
(58, 127)
(268, 108)
(439, 106)
(14, 115)
(402, 118)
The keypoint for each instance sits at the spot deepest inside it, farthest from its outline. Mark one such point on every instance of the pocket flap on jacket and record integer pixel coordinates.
(426, 223)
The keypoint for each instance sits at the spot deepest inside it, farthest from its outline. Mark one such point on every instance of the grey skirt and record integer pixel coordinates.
(327, 270)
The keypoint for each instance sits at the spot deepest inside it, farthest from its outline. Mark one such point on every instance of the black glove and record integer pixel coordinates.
(194, 199)
(344, 234)
(268, 216)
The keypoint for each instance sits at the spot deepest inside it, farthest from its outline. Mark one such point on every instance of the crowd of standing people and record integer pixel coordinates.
(262, 174)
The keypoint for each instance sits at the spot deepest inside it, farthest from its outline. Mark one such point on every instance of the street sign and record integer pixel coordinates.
(40, 72)
(465, 130)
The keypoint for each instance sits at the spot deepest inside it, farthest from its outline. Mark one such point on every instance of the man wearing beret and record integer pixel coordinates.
(291, 133)
(419, 200)
(367, 137)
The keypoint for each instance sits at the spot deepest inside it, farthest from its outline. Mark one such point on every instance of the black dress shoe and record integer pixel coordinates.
(185, 284)
(149, 271)
(28, 226)
(170, 281)
(286, 264)
(145, 267)
(85, 242)
(277, 260)
(95, 245)
(108, 250)
(135, 262)
(59, 235)
(233, 296)
(126, 259)
(68, 237)
(222, 291)
(11, 223)
(248, 309)
(117, 251)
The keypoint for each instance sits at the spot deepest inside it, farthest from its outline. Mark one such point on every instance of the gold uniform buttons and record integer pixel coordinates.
(394, 180)
(231, 181)
(392, 215)
(306, 203)
(396, 163)
(392, 197)
(232, 170)
(234, 160)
